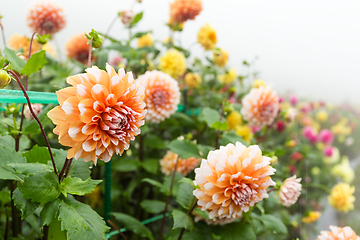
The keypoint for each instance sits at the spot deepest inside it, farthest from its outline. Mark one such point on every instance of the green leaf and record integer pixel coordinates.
(151, 165)
(127, 165)
(4, 197)
(220, 125)
(34, 63)
(188, 181)
(157, 184)
(133, 225)
(26, 206)
(184, 195)
(184, 148)
(49, 212)
(167, 183)
(16, 62)
(153, 206)
(42, 187)
(203, 214)
(3, 129)
(205, 149)
(9, 155)
(32, 127)
(273, 223)
(183, 119)
(236, 231)
(231, 137)
(6, 174)
(182, 220)
(55, 232)
(30, 168)
(210, 116)
(153, 141)
(119, 47)
(80, 221)
(136, 19)
(257, 225)
(78, 186)
(37, 155)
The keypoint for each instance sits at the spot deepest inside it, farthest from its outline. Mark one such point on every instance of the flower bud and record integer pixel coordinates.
(126, 17)
(5, 79)
(97, 39)
(43, 39)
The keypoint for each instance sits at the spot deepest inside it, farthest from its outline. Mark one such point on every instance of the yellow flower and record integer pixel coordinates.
(192, 80)
(320, 146)
(245, 132)
(145, 41)
(322, 116)
(311, 217)
(258, 82)
(207, 37)
(228, 77)
(173, 63)
(220, 57)
(315, 171)
(341, 197)
(290, 143)
(344, 170)
(233, 119)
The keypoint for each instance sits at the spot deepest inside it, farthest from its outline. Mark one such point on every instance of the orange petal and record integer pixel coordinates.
(65, 93)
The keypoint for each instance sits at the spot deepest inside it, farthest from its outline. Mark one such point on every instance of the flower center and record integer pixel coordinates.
(266, 110)
(159, 97)
(242, 194)
(48, 25)
(115, 122)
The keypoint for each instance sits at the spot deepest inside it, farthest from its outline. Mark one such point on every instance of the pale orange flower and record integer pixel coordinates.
(46, 17)
(183, 10)
(260, 106)
(17, 42)
(162, 95)
(127, 16)
(99, 114)
(37, 107)
(78, 49)
(232, 179)
(337, 233)
(290, 191)
(184, 166)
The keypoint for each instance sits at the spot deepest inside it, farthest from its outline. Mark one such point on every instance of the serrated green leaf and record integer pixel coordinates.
(34, 63)
(42, 187)
(9, 155)
(273, 223)
(132, 224)
(210, 116)
(80, 221)
(151, 165)
(16, 62)
(49, 212)
(74, 185)
(184, 195)
(37, 155)
(6, 174)
(153, 206)
(26, 206)
(55, 232)
(184, 148)
(236, 231)
(30, 168)
(182, 220)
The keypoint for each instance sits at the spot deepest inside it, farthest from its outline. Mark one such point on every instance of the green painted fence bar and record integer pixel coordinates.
(17, 96)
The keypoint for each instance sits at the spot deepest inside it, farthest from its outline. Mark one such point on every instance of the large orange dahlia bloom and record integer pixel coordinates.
(337, 233)
(260, 106)
(99, 114)
(183, 10)
(78, 49)
(232, 179)
(162, 95)
(46, 17)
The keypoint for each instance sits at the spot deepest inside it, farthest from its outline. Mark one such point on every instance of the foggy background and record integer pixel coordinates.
(307, 47)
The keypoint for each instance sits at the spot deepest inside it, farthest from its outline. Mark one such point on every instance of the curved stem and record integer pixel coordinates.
(31, 41)
(116, 227)
(168, 199)
(90, 48)
(36, 118)
(3, 34)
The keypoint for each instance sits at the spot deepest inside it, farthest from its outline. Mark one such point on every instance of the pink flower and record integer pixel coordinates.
(37, 107)
(290, 191)
(328, 151)
(310, 134)
(294, 100)
(326, 136)
(280, 126)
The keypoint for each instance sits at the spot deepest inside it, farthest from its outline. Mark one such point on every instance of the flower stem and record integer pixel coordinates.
(188, 213)
(114, 226)
(61, 174)
(168, 199)
(45, 232)
(67, 171)
(3, 34)
(36, 118)
(90, 48)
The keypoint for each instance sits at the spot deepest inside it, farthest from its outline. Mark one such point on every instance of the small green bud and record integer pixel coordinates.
(5, 79)
(43, 39)
(12, 109)
(97, 39)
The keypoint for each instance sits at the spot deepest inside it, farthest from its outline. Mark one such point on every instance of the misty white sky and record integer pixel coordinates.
(307, 47)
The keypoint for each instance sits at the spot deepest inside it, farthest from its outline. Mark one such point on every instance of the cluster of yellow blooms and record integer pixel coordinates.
(173, 63)
(341, 197)
(234, 121)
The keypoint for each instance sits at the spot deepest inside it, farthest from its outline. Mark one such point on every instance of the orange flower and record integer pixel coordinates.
(162, 95)
(260, 106)
(184, 166)
(99, 114)
(46, 17)
(337, 233)
(182, 10)
(78, 49)
(232, 179)
(290, 191)
(17, 42)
